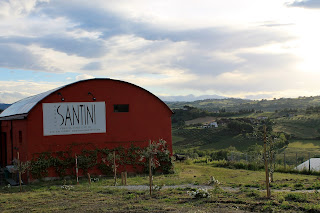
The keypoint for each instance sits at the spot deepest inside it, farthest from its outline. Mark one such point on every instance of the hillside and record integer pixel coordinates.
(233, 104)
(299, 125)
(3, 106)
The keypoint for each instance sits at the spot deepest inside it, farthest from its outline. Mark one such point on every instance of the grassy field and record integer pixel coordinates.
(209, 138)
(201, 120)
(240, 190)
(301, 126)
(299, 150)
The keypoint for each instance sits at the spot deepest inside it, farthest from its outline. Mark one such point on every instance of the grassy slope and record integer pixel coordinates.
(233, 104)
(300, 149)
(301, 126)
(210, 138)
(202, 120)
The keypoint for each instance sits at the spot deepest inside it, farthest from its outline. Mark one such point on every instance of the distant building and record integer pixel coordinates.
(210, 125)
(314, 165)
(262, 118)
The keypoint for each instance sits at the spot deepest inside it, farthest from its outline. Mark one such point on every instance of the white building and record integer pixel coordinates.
(210, 125)
(314, 165)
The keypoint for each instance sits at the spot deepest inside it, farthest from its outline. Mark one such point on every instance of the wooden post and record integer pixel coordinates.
(115, 168)
(266, 161)
(309, 162)
(122, 178)
(89, 178)
(296, 159)
(150, 169)
(284, 160)
(77, 171)
(125, 178)
(271, 165)
(18, 156)
(274, 162)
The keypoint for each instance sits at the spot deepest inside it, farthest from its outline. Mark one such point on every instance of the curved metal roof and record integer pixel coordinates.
(20, 109)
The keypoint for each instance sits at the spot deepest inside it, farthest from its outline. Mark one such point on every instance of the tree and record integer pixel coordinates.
(21, 167)
(149, 154)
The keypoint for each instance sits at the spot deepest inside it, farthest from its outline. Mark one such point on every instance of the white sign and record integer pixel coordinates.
(74, 118)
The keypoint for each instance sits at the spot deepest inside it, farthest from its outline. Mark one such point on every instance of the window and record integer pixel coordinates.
(121, 108)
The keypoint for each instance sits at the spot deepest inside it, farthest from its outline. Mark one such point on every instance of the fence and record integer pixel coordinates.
(284, 160)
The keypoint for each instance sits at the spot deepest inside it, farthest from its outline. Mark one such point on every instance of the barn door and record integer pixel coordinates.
(3, 149)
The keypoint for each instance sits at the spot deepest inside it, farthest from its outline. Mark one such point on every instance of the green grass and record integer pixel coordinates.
(238, 141)
(97, 197)
(304, 144)
(176, 139)
(211, 138)
(300, 150)
(301, 126)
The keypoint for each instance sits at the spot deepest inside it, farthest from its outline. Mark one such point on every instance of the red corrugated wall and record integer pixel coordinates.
(148, 119)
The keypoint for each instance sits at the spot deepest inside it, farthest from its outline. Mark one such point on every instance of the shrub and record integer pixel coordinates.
(199, 193)
(189, 161)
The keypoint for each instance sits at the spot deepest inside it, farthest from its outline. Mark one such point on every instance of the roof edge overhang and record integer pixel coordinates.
(14, 117)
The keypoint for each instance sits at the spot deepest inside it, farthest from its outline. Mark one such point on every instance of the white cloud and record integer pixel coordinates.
(83, 77)
(12, 91)
(17, 8)
(223, 47)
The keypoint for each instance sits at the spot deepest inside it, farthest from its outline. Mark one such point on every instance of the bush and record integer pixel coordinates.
(199, 193)
(188, 161)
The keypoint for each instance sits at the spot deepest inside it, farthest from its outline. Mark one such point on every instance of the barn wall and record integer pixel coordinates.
(148, 118)
(15, 138)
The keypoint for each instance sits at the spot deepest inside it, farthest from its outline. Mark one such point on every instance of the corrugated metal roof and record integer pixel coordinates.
(24, 106)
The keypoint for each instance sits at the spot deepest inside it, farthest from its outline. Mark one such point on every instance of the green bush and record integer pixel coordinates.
(63, 163)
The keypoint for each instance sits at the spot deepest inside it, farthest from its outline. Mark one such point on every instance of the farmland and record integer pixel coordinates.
(298, 120)
(223, 153)
(239, 190)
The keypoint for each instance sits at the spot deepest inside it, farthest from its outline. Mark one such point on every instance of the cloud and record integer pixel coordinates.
(16, 56)
(10, 97)
(83, 77)
(123, 41)
(93, 66)
(310, 4)
(91, 16)
(107, 42)
(275, 24)
(18, 8)
(12, 91)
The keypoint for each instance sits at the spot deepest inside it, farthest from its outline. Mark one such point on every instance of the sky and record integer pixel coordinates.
(244, 49)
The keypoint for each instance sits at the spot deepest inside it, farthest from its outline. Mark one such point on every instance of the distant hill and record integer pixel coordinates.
(4, 106)
(235, 104)
(188, 98)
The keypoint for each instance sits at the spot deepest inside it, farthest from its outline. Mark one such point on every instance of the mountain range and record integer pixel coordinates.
(4, 106)
(189, 98)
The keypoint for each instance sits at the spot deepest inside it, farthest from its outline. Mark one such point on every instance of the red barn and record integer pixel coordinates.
(95, 113)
